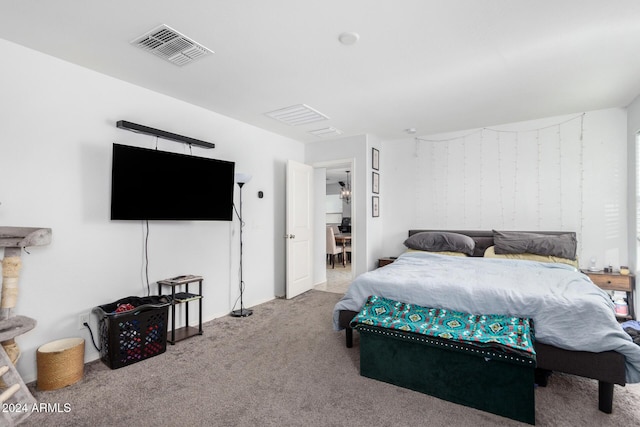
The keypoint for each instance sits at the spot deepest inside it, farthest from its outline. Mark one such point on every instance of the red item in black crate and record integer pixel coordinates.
(124, 307)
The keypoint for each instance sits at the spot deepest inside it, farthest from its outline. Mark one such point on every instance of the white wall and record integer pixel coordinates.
(345, 208)
(536, 175)
(399, 165)
(55, 168)
(633, 128)
(376, 247)
(319, 232)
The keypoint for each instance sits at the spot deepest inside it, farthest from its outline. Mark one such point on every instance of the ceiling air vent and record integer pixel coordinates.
(326, 132)
(296, 115)
(168, 44)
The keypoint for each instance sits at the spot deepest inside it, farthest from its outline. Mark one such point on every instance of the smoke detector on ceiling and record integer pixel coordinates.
(169, 44)
(349, 38)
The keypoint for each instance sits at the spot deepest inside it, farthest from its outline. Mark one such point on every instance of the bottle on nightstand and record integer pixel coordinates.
(621, 287)
(622, 309)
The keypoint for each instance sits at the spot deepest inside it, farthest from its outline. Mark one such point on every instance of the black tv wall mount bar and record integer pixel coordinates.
(133, 127)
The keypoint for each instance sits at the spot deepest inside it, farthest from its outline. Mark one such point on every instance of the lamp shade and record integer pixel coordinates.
(242, 178)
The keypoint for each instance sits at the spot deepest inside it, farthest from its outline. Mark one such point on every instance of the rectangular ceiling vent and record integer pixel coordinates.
(168, 44)
(297, 115)
(326, 132)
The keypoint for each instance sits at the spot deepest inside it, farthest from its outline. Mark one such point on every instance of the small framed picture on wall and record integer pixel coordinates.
(375, 206)
(375, 186)
(375, 159)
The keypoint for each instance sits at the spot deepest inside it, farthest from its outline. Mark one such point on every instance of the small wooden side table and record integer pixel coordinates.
(183, 298)
(384, 261)
(615, 282)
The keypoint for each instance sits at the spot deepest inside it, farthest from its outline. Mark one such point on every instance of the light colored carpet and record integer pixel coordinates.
(285, 366)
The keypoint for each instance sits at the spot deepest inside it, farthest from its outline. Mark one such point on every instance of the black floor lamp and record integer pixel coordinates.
(241, 179)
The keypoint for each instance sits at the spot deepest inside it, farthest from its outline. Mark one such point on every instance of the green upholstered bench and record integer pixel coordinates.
(495, 382)
(486, 362)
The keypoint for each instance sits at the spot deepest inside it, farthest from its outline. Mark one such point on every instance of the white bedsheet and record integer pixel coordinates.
(568, 310)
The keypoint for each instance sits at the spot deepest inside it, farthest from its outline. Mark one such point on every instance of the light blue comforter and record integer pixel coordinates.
(568, 310)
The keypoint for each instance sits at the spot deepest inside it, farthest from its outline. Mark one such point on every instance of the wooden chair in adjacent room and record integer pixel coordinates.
(347, 251)
(332, 248)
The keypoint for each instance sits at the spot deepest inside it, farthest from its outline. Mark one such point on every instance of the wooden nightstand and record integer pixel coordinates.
(384, 261)
(615, 282)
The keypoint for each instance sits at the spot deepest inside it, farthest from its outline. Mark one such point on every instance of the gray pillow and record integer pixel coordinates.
(517, 242)
(440, 241)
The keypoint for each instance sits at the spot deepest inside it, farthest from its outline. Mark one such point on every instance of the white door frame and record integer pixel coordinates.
(320, 221)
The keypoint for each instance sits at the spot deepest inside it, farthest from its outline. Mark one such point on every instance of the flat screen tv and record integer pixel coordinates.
(157, 185)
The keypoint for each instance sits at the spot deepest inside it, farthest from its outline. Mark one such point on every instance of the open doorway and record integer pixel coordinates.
(337, 224)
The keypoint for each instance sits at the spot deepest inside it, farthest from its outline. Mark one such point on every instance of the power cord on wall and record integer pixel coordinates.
(146, 271)
(92, 339)
(146, 257)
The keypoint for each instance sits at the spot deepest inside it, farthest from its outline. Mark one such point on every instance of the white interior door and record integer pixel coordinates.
(299, 225)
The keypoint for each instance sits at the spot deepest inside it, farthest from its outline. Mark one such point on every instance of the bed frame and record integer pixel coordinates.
(608, 367)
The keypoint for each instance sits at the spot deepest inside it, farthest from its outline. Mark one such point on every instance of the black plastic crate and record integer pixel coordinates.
(131, 336)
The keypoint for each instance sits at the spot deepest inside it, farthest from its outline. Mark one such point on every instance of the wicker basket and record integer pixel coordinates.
(60, 363)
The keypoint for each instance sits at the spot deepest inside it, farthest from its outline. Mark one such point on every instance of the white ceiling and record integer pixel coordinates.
(432, 65)
(338, 173)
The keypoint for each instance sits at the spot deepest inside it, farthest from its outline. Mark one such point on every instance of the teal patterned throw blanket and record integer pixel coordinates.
(486, 330)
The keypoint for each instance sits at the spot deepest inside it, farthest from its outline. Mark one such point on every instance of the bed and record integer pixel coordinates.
(576, 330)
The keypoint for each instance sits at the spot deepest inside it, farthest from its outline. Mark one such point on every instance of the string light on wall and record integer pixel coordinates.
(581, 190)
(464, 180)
(446, 184)
(538, 184)
(515, 182)
(433, 178)
(560, 176)
(488, 166)
(480, 210)
(500, 180)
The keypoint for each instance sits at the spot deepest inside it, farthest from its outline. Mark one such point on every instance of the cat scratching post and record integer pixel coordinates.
(11, 265)
(13, 240)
